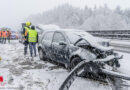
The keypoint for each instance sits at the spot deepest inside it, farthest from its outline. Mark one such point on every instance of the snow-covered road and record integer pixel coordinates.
(21, 73)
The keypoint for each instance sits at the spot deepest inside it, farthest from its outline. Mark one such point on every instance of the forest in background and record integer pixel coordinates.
(97, 18)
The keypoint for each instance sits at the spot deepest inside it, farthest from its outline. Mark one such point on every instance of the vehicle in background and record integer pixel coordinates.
(14, 35)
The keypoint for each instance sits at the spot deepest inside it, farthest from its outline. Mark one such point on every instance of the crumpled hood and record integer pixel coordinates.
(95, 42)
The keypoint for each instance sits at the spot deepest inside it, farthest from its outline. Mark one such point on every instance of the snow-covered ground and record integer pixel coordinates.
(21, 73)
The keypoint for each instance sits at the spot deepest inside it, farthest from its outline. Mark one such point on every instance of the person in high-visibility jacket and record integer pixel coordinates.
(4, 36)
(32, 38)
(0, 36)
(25, 32)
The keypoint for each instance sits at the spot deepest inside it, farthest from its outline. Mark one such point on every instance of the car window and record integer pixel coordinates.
(48, 36)
(58, 37)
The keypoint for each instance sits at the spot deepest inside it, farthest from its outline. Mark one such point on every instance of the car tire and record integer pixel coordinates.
(75, 61)
(41, 54)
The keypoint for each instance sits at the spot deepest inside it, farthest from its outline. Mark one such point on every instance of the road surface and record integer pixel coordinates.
(21, 73)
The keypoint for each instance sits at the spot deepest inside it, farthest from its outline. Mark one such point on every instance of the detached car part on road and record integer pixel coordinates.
(70, 47)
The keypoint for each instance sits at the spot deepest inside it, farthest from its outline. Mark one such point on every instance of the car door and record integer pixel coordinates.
(47, 42)
(60, 47)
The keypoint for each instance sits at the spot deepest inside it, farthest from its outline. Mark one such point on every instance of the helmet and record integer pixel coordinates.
(28, 23)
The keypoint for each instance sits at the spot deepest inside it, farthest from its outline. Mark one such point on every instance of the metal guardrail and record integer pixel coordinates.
(112, 34)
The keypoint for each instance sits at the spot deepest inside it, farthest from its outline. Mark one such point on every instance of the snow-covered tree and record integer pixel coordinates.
(98, 18)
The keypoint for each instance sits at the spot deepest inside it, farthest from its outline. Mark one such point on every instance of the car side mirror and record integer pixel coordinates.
(62, 43)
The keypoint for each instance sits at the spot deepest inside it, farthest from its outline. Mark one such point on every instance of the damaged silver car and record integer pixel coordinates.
(70, 47)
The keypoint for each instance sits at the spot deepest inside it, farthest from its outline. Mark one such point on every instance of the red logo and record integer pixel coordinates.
(1, 79)
(2, 83)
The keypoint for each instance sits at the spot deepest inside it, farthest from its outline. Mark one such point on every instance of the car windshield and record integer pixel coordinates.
(76, 35)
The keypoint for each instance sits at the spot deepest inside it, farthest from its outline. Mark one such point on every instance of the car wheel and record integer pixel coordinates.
(41, 54)
(75, 61)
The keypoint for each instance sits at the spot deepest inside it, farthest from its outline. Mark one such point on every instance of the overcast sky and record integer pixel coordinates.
(13, 12)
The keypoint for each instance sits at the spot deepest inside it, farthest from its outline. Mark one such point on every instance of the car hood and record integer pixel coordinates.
(96, 42)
